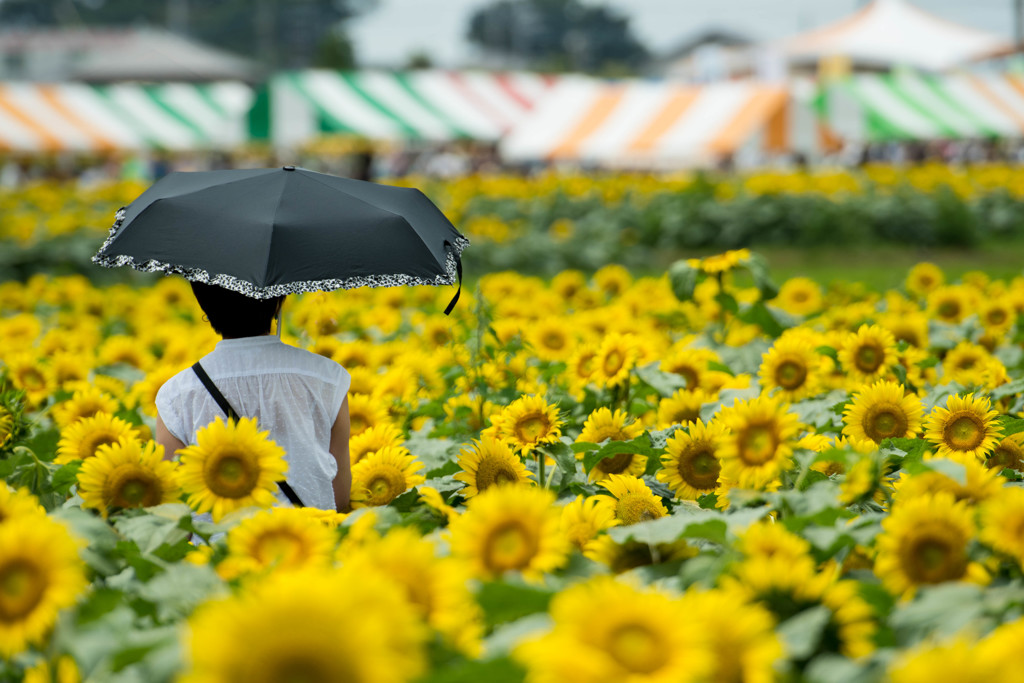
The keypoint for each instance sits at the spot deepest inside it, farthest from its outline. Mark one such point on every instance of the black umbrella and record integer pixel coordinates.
(269, 232)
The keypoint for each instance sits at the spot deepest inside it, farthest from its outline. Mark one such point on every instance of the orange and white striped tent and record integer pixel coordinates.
(650, 124)
(40, 117)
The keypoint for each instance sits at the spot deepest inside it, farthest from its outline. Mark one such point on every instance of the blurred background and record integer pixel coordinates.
(638, 130)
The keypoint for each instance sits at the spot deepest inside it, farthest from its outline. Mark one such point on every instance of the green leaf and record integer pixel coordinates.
(1008, 389)
(758, 267)
(584, 446)
(178, 591)
(683, 279)
(689, 522)
(1010, 425)
(507, 636)
(939, 611)
(758, 314)
(802, 633)
(503, 601)
(727, 302)
(564, 456)
(641, 445)
(665, 383)
(155, 527)
(828, 351)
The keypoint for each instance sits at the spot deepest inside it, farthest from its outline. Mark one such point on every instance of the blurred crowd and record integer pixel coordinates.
(364, 161)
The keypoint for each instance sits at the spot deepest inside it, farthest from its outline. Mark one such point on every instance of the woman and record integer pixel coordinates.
(299, 396)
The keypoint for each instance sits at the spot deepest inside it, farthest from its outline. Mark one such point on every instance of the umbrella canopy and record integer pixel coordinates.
(271, 232)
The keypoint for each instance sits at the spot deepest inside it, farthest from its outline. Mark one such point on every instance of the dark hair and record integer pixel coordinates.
(235, 315)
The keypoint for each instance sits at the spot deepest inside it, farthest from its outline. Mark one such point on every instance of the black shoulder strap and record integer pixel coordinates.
(288, 491)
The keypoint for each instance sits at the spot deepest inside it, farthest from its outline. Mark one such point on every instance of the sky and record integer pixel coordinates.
(396, 29)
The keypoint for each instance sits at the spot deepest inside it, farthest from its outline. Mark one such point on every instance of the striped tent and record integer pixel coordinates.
(910, 106)
(429, 105)
(73, 116)
(649, 124)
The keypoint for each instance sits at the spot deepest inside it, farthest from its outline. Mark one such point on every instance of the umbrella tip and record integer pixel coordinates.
(288, 168)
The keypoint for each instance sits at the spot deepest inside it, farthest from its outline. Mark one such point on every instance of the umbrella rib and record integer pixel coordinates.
(273, 225)
(397, 215)
(184, 193)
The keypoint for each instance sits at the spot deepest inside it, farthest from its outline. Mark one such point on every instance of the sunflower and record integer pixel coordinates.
(740, 635)
(436, 588)
(923, 278)
(126, 349)
(622, 557)
(231, 466)
(800, 296)
(18, 503)
(759, 445)
(911, 327)
(602, 425)
(143, 394)
(371, 440)
(127, 475)
(64, 670)
(724, 262)
(81, 439)
(40, 574)
(491, 462)
(83, 403)
(690, 465)
(6, 425)
(965, 426)
(691, 365)
(925, 541)
(510, 528)
(615, 359)
(280, 538)
(528, 422)
(966, 363)
(584, 518)
(998, 315)
(634, 501)
(433, 499)
(605, 630)
(769, 539)
(1008, 453)
(951, 304)
(787, 586)
(682, 407)
(612, 279)
(792, 366)
(1002, 523)
(979, 483)
(958, 659)
(355, 354)
(550, 339)
(883, 411)
(380, 478)
(862, 480)
(365, 412)
(299, 625)
(68, 367)
(581, 367)
(868, 354)
(26, 372)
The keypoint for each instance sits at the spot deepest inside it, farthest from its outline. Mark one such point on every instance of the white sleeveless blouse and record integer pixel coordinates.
(294, 394)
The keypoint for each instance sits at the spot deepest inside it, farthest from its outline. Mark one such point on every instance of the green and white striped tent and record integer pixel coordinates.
(911, 106)
(431, 105)
(72, 116)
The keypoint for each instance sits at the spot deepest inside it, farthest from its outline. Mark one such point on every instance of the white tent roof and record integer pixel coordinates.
(890, 33)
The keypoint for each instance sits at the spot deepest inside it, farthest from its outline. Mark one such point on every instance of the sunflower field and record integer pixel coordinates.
(698, 476)
(544, 224)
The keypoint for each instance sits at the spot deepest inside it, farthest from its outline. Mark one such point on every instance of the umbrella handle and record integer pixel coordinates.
(455, 299)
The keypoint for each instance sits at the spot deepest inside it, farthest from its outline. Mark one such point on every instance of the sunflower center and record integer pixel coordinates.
(791, 375)
(868, 359)
(616, 464)
(493, 471)
(637, 649)
(633, 508)
(32, 379)
(996, 317)
(885, 422)
(933, 559)
(509, 546)
(690, 376)
(132, 488)
(757, 444)
(384, 486)
(279, 547)
(700, 469)
(22, 585)
(965, 433)
(585, 366)
(613, 363)
(948, 310)
(357, 423)
(684, 415)
(531, 428)
(553, 340)
(1007, 454)
(295, 669)
(93, 441)
(231, 474)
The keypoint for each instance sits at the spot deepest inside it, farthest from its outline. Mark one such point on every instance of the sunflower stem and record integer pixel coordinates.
(541, 457)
